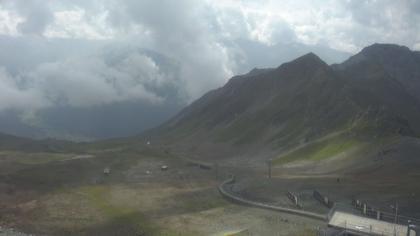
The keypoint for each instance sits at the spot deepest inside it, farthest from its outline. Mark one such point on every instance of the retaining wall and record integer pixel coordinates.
(238, 199)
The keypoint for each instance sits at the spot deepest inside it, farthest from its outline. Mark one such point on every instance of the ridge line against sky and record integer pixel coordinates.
(83, 53)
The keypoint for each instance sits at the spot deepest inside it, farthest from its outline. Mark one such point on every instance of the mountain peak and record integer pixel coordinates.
(385, 50)
(310, 57)
(377, 47)
(307, 62)
(258, 71)
(386, 55)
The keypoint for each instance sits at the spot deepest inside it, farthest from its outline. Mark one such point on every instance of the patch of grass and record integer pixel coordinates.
(238, 233)
(321, 150)
(33, 158)
(333, 148)
(98, 197)
(120, 219)
(307, 232)
(126, 220)
(202, 203)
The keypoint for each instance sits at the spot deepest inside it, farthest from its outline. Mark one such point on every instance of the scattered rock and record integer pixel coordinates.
(12, 232)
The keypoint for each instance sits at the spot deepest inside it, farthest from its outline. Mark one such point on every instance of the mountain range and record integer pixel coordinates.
(349, 130)
(369, 99)
(304, 111)
(89, 122)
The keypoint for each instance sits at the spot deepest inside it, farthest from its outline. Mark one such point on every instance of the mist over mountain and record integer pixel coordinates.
(109, 90)
(65, 56)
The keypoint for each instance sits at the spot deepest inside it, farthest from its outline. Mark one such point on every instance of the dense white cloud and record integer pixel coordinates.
(31, 17)
(180, 30)
(334, 21)
(86, 82)
(83, 82)
(343, 25)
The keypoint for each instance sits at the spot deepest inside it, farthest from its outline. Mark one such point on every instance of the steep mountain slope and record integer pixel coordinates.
(267, 112)
(397, 61)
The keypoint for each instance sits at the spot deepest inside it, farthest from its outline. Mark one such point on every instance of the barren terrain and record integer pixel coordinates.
(68, 194)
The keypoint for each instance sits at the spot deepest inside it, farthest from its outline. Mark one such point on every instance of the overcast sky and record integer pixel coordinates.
(83, 53)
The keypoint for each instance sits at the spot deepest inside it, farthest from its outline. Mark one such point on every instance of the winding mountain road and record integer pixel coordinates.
(230, 196)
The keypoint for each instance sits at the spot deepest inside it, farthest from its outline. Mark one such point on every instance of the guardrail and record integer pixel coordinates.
(234, 198)
(293, 197)
(373, 212)
(323, 199)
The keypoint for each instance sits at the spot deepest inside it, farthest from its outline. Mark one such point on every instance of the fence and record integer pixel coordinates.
(222, 189)
(294, 199)
(372, 212)
(397, 230)
(323, 199)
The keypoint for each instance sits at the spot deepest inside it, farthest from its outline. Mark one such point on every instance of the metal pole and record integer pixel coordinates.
(269, 168)
(409, 228)
(396, 213)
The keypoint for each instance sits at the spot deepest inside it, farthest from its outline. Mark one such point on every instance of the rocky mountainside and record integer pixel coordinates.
(399, 62)
(269, 111)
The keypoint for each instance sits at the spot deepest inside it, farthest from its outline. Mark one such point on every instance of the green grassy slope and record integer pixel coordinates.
(321, 150)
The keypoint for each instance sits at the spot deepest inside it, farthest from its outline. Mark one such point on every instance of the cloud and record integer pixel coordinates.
(88, 82)
(180, 30)
(342, 25)
(84, 82)
(339, 23)
(36, 14)
(14, 97)
(84, 53)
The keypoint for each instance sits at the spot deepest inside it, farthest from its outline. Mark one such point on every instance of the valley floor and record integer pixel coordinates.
(69, 194)
(63, 194)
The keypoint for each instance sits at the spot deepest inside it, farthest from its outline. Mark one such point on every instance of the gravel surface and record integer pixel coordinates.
(12, 232)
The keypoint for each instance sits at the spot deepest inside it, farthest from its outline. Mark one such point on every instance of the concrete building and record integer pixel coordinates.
(352, 224)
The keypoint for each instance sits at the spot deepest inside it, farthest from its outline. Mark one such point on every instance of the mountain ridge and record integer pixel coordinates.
(271, 110)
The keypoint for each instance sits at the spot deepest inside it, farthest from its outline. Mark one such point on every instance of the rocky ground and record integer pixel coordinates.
(63, 195)
(11, 232)
(69, 194)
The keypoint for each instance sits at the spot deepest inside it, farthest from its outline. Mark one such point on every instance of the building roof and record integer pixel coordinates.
(366, 226)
